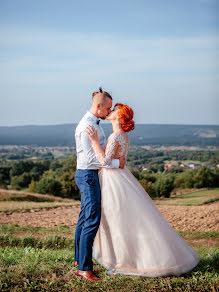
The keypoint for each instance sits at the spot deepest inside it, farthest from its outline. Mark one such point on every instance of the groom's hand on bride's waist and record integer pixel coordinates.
(122, 162)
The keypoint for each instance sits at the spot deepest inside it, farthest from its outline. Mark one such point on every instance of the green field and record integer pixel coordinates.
(191, 198)
(11, 206)
(12, 201)
(41, 259)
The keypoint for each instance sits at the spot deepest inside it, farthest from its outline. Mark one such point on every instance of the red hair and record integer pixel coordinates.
(126, 115)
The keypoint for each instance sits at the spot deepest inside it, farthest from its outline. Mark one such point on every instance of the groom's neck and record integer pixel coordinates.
(94, 112)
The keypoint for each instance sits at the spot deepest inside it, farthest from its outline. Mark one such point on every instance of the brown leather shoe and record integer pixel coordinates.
(88, 275)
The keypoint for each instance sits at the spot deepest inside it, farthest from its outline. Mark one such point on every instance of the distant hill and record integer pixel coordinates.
(153, 134)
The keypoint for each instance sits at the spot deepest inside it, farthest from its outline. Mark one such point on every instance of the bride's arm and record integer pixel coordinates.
(103, 157)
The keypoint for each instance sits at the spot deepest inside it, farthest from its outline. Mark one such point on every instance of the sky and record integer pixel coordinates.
(159, 57)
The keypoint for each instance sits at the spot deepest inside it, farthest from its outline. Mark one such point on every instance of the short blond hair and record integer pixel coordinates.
(103, 92)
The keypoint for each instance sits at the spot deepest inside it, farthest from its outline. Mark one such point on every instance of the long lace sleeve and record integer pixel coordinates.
(105, 157)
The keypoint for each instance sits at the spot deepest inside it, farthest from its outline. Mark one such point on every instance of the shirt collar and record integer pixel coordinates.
(92, 116)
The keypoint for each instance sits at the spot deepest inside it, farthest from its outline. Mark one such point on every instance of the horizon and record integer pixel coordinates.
(105, 123)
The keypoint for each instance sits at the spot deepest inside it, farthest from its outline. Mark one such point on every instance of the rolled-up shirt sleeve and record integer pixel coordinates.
(90, 154)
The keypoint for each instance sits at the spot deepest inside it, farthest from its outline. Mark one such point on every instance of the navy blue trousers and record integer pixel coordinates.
(89, 218)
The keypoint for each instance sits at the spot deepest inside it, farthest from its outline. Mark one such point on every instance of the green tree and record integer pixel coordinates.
(135, 173)
(69, 187)
(32, 187)
(173, 169)
(149, 187)
(185, 180)
(48, 184)
(204, 177)
(21, 181)
(164, 185)
(147, 176)
(69, 165)
(216, 176)
(56, 164)
(5, 176)
(20, 167)
(65, 174)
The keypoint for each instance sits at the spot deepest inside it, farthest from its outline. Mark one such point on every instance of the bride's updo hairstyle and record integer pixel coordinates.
(101, 91)
(126, 114)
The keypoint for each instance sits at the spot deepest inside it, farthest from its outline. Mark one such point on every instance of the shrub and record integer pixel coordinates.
(48, 184)
(204, 177)
(147, 176)
(69, 186)
(21, 181)
(149, 187)
(32, 186)
(197, 178)
(185, 180)
(164, 185)
(20, 167)
(135, 173)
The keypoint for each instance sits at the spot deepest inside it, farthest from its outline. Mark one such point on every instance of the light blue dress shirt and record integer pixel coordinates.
(86, 158)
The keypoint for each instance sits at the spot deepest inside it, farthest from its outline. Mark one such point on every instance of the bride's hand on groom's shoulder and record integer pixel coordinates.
(92, 133)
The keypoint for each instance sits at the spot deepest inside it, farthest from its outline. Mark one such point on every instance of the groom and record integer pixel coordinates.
(86, 178)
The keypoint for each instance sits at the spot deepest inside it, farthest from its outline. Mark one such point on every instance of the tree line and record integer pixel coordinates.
(161, 184)
(56, 177)
(139, 157)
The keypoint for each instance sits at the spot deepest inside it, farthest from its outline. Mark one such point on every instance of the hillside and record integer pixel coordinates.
(159, 134)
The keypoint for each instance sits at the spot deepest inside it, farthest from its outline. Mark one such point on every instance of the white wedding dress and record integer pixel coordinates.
(134, 238)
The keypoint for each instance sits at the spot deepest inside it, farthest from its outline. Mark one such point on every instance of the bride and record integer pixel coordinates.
(133, 237)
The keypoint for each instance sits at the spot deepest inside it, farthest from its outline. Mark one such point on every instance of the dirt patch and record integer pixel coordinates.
(192, 218)
(183, 218)
(61, 216)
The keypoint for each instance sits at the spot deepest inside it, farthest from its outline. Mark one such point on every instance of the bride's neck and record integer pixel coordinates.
(116, 126)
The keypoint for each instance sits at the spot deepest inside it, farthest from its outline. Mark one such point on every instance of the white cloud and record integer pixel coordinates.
(40, 68)
(42, 57)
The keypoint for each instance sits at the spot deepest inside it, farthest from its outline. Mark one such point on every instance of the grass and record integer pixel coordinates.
(12, 201)
(186, 162)
(14, 195)
(42, 260)
(195, 198)
(12, 206)
(199, 234)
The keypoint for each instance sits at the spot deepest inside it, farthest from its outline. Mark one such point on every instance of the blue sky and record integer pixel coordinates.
(160, 57)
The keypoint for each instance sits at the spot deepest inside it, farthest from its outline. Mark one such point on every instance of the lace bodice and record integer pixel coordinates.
(117, 146)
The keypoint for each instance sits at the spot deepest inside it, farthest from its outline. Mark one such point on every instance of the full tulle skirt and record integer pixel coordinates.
(134, 238)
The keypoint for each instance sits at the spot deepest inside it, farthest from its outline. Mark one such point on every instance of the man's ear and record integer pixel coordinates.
(98, 106)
